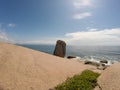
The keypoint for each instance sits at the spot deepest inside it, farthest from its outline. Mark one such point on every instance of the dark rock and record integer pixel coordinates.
(60, 49)
(87, 62)
(70, 57)
(101, 66)
(104, 61)
(92, 63)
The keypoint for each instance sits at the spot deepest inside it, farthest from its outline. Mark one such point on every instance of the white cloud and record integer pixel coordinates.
(95, 37)
(11, 25)
(4, 37)
(82, 15)
(82, 3)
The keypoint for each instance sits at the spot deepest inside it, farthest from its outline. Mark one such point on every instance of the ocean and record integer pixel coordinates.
(94, 53)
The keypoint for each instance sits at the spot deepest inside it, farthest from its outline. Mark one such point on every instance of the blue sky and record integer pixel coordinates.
(78, 22)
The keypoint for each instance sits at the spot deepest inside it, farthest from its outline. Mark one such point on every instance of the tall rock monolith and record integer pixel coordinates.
(60, 48)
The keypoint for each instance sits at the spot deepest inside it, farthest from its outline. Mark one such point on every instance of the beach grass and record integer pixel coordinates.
(87, 80)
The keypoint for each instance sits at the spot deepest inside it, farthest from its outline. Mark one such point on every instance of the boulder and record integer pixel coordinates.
(71, 57)
(60, 49)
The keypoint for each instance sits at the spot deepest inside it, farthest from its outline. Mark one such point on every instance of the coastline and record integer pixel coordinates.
(91, 53)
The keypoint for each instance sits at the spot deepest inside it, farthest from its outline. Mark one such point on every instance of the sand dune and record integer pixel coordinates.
(26, 69)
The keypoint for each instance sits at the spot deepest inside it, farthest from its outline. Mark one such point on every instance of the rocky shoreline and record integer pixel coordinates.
(60, 51)
(110, 75)
(100, 64)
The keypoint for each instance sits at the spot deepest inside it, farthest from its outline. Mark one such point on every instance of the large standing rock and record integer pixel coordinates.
(60, 49)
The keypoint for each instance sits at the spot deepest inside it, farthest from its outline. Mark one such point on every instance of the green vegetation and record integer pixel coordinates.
(85, 81)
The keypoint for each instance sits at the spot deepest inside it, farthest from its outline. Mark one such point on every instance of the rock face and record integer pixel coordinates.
(110, 78)
(60, 49)
(26, 69)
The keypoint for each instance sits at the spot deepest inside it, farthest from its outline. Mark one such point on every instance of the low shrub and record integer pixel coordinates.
(87, 80)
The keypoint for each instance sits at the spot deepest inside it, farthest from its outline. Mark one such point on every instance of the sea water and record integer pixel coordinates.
(96, 53)
(93, 53)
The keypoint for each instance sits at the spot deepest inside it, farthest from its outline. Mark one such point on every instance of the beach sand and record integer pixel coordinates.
(26, 69)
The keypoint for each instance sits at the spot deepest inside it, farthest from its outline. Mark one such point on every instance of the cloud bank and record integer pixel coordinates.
(95, 37)
(105, 37)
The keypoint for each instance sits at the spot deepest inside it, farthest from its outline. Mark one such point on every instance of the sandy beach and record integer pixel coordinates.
(26, 69)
